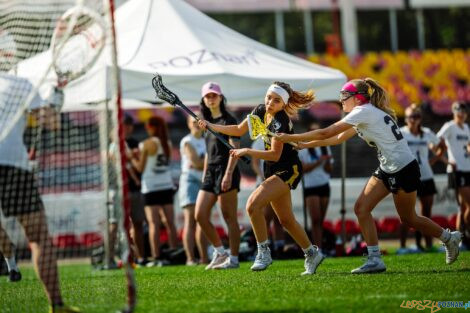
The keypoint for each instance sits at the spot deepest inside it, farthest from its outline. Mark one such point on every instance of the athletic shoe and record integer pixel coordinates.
(452, 247)
(373, 264)
(157, 263)
(228, 264)
(111, 266)
(263, 260)
(217, 259)
(402, 251)
(14, 276)
(191, 263)
(312, 260)
(64, 309)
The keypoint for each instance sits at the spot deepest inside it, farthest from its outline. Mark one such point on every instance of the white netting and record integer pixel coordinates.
(74, 158)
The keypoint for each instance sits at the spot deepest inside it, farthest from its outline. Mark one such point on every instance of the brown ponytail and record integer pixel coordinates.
(297, 100)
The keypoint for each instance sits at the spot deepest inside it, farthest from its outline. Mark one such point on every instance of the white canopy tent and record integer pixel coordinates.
(187, 48)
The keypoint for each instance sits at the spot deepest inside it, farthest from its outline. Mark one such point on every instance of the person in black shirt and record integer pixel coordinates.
(137, 207)
(282, 172)
(221, 181)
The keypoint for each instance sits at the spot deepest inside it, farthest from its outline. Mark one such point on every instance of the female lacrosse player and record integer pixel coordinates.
(282, 172)
(19, 192)
(374, 121)
(420, 140)
(455, 135)
(156, 184)
(221, 181)
(193, 151)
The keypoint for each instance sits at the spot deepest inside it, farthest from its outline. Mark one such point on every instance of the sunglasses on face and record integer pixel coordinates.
(345, 95)
(414, 116)
(459, 110)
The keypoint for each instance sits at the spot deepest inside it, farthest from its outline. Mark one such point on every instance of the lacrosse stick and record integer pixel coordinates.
(258, 129)
(166, 95)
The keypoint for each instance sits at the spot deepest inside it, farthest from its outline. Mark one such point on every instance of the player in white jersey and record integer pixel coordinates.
(193, 151)
(19, 192)
(456, 136)
(374, 121)
(317, 164)
(420, 140)
(156, 185)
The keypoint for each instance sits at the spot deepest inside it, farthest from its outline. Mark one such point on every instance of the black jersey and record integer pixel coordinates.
(280, 123)
(217, 152)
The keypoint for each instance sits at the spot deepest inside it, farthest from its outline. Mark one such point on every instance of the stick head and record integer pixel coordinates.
(257, 128)
(162, 92)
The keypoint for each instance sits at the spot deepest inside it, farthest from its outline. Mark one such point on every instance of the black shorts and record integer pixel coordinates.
(427, 188)
(290, 173)
(162, 197)
(212, 180)
(406, 179)
(19, 193)
(320, 191)
(458, 179)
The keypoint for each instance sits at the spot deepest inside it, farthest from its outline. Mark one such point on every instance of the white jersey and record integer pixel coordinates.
(380, 131)
(199, 145)
(14, 91)
(318, 176)
(258, 144)
(419, 146)
(157, 174)
(456, 139)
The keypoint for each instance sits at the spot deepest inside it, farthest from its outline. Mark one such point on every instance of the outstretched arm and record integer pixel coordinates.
(332, 141)
(230, 130)
(318, 134)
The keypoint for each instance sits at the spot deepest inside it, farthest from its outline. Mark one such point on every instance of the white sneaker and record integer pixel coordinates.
(373, 264)
(217, 259)
(263, 260)
(452, 247)
(312, 261)
(228, 264)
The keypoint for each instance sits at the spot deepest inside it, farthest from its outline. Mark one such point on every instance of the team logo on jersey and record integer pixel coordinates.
(276, 125)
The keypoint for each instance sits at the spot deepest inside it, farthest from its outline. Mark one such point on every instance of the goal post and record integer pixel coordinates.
(74, 155)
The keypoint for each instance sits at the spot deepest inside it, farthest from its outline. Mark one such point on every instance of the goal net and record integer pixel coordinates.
(60, 159)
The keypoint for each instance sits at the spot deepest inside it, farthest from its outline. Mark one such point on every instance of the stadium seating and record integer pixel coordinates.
(91, 239)
(441, 221)
(453, 221)
(65, 241)
(435, 78)
(389, 225)
(350, 225)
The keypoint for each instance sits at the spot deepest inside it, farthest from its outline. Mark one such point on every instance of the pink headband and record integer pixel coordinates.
(351, 88)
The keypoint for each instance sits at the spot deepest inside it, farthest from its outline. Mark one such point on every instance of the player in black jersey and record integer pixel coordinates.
(282, 172)
(221, 181)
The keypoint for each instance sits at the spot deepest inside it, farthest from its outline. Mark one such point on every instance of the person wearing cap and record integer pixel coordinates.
(455, 134)
(371, 117)
(220, 182)
(420, 140)
(282, 172)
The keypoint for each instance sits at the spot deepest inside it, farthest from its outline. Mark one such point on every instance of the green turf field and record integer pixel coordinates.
(279, 289)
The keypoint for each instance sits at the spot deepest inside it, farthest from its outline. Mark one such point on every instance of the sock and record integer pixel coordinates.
(263, 245)
(11, 264)
(279, 244)
(445, 236)
(220, 250)
(234, 259)
(310, 250)
(373, 250)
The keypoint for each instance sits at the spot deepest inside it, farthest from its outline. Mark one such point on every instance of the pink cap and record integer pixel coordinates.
(210, 87)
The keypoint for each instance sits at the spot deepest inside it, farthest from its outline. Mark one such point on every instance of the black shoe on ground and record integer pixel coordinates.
(14, 276)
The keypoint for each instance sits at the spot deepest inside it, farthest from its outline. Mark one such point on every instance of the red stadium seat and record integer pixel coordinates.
(65, 240)
(91, 239)
(441, 221)
(389, 224)
(328, 225)
(163, 235)
(351, 227)
(453, 221)
(221, 231)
